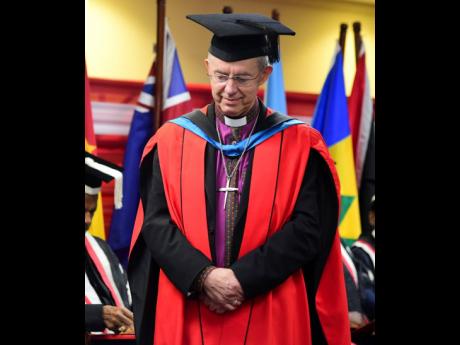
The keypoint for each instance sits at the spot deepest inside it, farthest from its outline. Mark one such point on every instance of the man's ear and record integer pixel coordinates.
(206, 65)
(266, 73)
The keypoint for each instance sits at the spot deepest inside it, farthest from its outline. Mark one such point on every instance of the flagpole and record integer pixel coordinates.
(343, 35)
(358, 39)
(161, 5)
(227, 9)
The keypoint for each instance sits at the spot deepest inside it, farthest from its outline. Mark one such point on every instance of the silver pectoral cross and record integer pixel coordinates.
(227, 189)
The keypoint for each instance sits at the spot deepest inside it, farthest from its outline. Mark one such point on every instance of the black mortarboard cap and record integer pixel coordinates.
(98, 170)
(242, 36)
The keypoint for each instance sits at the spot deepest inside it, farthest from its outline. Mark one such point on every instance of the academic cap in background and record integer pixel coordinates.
(98, 170)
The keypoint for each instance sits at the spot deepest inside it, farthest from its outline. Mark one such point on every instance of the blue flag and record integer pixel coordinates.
(176, 101)
(275, 97)
(331, 111)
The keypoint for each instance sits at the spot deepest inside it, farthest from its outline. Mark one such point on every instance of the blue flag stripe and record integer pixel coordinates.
(275, 96)
(331, 112)
(178, 87)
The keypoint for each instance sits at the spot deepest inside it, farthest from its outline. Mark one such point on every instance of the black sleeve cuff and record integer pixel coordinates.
(93, 318)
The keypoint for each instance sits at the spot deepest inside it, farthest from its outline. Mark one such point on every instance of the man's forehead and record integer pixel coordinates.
(241, 66)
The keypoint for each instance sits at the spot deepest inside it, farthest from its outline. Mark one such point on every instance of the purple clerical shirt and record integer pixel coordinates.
(221, 181)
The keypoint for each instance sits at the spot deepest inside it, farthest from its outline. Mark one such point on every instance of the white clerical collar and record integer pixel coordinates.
(235, 122)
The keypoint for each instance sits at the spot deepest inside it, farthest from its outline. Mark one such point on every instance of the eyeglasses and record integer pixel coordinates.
(223, 78)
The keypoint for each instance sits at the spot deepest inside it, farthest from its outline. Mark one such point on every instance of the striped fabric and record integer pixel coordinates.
(331, 119)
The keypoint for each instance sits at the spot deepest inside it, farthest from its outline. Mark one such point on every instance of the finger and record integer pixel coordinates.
(239, 291)
(111, 322)
(128, 313)
(219, 309)
(218, 298)
(123, 320)
(216, 307)
(231, 299)
(233, 290)
(229, 307)
(236, 303)
(226, 306)
(110, 325)
(236, 291)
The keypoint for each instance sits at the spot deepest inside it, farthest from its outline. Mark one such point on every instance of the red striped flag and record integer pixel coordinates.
(90, 138)
(176, 102)
(360, 109)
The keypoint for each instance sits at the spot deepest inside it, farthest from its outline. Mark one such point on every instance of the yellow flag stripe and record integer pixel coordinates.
(88, 147)
(97, 225)
(342, 154)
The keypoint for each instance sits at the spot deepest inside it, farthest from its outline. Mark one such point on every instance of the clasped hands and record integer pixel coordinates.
(222, 291)
(118, 319)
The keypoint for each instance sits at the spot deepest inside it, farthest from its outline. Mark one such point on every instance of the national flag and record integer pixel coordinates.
(331, 119)
(360, 110)
(367, 188)
(176, 102)
(362, 125)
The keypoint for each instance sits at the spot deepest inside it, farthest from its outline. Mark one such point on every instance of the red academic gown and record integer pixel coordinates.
(308, 307)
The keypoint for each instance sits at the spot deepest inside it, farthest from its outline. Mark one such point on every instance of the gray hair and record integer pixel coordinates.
(262, 62)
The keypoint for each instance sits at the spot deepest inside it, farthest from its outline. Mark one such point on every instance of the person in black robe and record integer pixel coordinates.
(364, 254)
(106, 282)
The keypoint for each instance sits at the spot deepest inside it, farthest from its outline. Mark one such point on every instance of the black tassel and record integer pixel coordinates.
(273, 48)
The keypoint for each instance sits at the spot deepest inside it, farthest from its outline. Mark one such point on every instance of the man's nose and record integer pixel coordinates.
(231, 86)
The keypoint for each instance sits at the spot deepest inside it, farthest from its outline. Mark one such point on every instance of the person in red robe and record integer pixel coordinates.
(235, 240)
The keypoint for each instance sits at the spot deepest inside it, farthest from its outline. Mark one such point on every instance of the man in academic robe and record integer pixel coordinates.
(352, 283)
(107, 295)
(235, 241)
